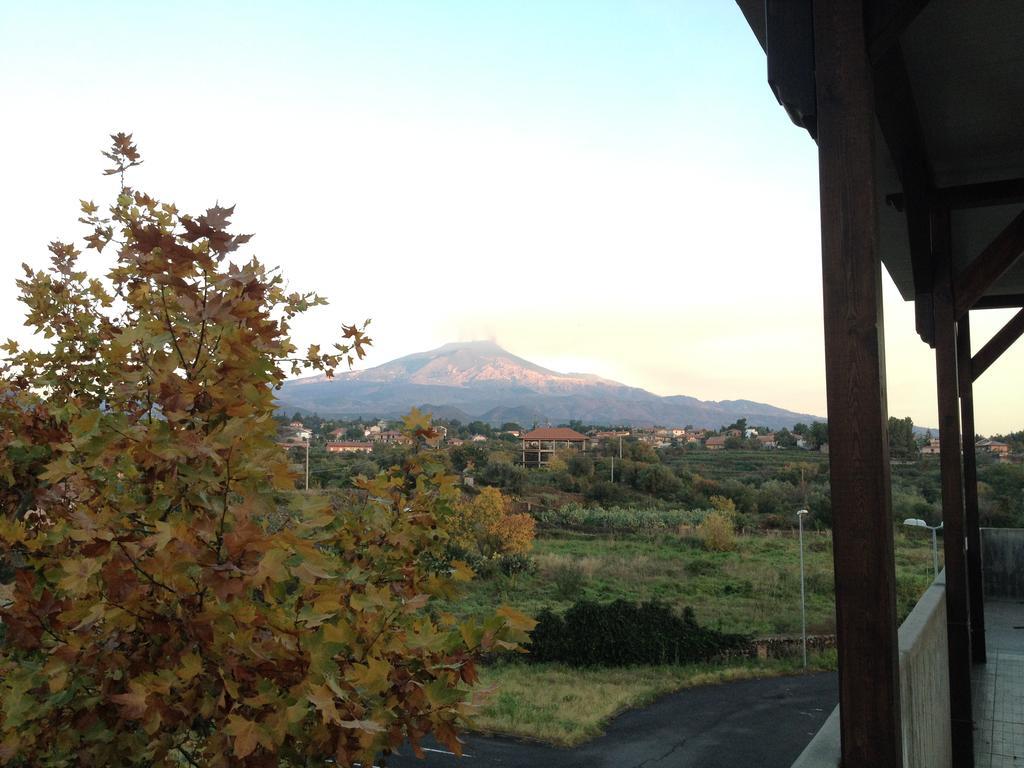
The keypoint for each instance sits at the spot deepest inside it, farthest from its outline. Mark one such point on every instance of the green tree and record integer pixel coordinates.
(818, 433)
(902, 444)
(174, 601)
(785, 439)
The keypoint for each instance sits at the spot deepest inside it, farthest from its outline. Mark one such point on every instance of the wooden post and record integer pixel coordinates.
(954, 533)
(974, 582)
(869, 692)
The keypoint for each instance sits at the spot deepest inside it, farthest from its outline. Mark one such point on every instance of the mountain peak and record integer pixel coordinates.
(480, 345)
(482, 380)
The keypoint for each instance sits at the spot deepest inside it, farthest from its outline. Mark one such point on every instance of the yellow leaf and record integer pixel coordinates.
(12, 531)
(371, 676)
(370, 726)
(245, 734)
(340, 632)
(322, 698)
(308, 573)
(58, 681)
(272, 566)
(461, 571)
(283, 477)
(165, 533)
(77, 574)
(191, 665)
(296, 712)
(515, 619)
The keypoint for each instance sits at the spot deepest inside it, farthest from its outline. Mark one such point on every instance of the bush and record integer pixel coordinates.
(569, 581)
(515, 533)
(623, 634)
(718, 532)
(722, 504)
(514, 564)
(617, 519)
(605, 491)
(484, 526)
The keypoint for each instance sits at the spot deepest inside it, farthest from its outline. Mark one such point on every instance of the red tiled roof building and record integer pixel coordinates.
(541, 444)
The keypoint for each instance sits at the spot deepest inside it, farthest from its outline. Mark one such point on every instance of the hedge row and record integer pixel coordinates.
(617, 519)
(621, 634)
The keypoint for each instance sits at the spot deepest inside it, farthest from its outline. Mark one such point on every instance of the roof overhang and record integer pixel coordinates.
(950, 92)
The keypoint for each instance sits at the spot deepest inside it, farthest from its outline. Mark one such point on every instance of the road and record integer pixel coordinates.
(750, 724)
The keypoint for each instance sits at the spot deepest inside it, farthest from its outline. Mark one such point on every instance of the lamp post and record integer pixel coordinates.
(307, 465)
(803, 600)
(916, 522)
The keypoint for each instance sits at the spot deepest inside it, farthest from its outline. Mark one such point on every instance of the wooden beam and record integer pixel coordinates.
(789, 44)
(957, 611)
(897, 117)
(975, 596)
(998, 344)
(989, 266)
(869, 687)
(1005, 192)
(1004, 301)
(887, 20)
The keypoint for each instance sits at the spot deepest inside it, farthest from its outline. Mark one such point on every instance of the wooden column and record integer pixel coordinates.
(869, 694)
(954, 533)
(975, 597)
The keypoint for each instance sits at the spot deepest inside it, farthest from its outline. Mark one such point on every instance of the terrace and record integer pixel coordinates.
(914, 105)
(997, 686)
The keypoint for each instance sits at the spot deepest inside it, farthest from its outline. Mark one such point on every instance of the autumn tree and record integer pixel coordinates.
(486, 526)
(172, 601)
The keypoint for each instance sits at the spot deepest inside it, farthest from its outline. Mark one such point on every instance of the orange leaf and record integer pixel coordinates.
(245, 733)
(133, 703)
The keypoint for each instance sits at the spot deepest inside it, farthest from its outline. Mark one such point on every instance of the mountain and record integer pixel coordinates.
(480, 380)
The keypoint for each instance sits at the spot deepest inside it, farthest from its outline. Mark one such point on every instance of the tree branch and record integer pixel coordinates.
(174, 339)
(143, 571)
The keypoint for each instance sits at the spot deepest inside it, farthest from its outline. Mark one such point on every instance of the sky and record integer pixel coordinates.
(599, 186)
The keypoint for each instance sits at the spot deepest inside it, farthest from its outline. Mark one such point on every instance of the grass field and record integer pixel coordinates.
(566, 706)
(753, 589)
(748, 466)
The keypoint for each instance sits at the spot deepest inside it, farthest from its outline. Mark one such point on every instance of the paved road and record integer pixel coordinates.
(751, 724)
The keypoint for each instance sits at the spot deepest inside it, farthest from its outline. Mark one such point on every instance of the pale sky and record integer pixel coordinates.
(600, 186)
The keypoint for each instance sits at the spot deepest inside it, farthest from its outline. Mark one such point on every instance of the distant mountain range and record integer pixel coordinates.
(479, 380)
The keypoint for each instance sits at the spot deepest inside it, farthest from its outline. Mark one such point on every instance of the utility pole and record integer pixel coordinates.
(803, 601)
(307, 464)
(613, 468)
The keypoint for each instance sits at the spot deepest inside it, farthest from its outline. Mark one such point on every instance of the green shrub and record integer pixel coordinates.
(717, 532)
(599, 519)
(623, 634)
(569, 581)
(514, 563)
(701, 567)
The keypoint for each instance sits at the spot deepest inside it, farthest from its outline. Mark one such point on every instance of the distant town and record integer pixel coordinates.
(538, 444)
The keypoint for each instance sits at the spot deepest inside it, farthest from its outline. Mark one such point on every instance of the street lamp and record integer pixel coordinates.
(916, 522)
(803, 600)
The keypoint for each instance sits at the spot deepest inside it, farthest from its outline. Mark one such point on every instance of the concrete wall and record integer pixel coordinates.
(924, 682)
(1002, 551)
(924, 692)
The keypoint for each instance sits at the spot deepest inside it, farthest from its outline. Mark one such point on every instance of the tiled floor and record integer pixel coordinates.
(998, 689)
